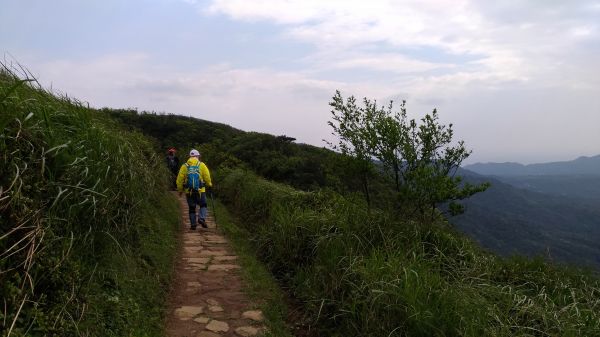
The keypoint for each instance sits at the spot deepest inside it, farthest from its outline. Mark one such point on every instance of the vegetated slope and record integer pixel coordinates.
(171, 130)
(87, 231)
(357, 272)
(504, 219)
(579, 166)
(509, 220)
(274, 157)
(361, 273)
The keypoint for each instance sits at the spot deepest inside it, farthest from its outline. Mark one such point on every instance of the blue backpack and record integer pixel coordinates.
(194, 181)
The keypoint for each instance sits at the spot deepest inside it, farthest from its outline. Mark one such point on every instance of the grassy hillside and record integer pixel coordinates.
(269, 155)
(367, 273)
(275, 157)
(360, 271)
(504, 219)
(87, 231)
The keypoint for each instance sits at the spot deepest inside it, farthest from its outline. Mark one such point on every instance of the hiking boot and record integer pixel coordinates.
(193, 227)
(202, 222)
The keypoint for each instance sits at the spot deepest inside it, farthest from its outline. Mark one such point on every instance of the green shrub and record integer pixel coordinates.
(76, 197)
(361, 272)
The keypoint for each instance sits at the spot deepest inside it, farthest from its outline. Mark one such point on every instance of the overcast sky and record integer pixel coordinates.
(519, 79)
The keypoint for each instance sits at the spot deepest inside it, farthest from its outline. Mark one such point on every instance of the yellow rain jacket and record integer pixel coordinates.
(204, 175)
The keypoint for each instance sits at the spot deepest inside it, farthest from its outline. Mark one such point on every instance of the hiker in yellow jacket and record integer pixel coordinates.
(193, 177)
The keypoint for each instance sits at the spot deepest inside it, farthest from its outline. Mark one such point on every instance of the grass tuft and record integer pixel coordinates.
(366, 273)
(84, 251)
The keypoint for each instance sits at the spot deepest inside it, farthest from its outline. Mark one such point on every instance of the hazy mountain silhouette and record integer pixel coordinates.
(579, 166)
(509, 220)
(586, 188)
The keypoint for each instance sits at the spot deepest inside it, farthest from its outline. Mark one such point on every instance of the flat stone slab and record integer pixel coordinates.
(193, 249)
(211, 301)
(217, 326)
(246, 331)
(196, 267)
(213, 253)
(188, 312)
(215, 308)
(214, 236)
(215, 239)
(197, 260)
(192, 237)
(208, 334)
(223, 267)
(225, 258)
(255, 315)
(192, 243)
(201, 320)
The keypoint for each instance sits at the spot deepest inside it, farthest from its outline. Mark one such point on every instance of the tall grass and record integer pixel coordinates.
(75, 196)
(361, 273)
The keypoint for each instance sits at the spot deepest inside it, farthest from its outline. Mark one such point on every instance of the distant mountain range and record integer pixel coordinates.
(579, 166)
(552, 209)
(584, 188)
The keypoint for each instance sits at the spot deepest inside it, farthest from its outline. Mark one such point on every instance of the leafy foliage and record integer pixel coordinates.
(275, 157)
(420, 156)
(353, 127)
(367, 273)
(78, 220)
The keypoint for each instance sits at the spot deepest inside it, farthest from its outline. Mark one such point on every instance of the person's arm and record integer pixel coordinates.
(181, 177)
(205, 175)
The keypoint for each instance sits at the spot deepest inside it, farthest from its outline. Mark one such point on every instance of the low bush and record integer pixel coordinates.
(361, 272)
(84, 250)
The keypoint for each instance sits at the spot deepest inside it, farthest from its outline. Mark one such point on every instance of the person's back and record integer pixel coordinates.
(192, 178)
(173, 165)
(172, 161)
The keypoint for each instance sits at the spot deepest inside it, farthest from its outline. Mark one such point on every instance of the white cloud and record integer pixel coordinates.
(582, 31)
(388, 62)
(513, 40)
(514, 67)
(514, 70)
(256, 99)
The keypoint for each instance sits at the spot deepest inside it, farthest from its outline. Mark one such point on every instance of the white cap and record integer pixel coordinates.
(194, 153)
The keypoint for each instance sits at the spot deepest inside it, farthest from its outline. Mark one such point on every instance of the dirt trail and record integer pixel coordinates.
(206, 298)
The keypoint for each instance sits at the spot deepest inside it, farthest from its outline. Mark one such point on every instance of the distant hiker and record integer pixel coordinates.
(173, 165)
(193, 177)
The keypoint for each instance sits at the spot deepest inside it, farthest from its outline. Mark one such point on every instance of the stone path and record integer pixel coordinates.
(206, 298)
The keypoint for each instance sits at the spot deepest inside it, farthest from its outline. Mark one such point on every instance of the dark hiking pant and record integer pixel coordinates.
(197, 199)
(174, 180)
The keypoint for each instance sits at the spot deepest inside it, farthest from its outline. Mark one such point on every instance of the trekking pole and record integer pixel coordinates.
(212, 201)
